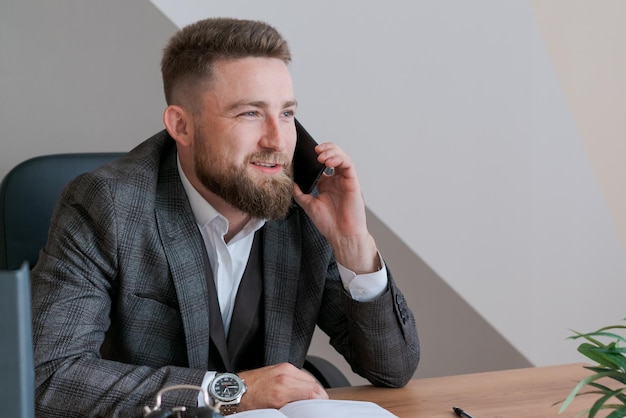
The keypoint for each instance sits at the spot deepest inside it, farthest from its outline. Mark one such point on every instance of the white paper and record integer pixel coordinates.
(326, 408)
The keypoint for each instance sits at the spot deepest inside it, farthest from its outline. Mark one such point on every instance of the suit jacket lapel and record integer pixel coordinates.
(184, 249)
(281, 271)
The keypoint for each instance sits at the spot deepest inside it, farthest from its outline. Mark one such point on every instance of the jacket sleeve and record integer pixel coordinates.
(377, 338)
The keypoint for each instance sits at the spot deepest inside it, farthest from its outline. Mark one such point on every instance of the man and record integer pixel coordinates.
(188, 256)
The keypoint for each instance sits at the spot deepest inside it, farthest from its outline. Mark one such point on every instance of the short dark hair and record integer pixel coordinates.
(191, 53)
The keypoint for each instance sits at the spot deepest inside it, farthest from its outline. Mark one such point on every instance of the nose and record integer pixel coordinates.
(274, 131)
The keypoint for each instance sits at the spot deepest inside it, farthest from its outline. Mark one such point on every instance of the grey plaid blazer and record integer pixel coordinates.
(120, 305)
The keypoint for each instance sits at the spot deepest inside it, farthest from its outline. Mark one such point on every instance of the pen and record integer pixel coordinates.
(461, 412)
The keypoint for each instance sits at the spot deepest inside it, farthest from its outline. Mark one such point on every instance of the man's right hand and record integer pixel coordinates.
(277, 385)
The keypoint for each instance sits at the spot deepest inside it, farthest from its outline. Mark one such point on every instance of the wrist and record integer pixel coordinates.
(226, 391)
(358, 254)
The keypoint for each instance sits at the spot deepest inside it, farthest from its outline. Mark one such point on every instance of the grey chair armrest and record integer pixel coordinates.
(325, 372)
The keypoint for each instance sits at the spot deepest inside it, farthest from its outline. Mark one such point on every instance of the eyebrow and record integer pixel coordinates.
(260, 104)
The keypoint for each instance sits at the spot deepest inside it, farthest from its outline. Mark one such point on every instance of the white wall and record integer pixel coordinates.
(78, 76)
(468, 148)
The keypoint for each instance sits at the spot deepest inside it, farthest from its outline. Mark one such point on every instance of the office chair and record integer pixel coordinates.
(28, 194)
(325, 372)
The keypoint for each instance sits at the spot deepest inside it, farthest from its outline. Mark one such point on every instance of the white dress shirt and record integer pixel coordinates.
(229, 260)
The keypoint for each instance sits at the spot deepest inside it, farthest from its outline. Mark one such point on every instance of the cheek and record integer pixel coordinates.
(290, 148)
(227, 152)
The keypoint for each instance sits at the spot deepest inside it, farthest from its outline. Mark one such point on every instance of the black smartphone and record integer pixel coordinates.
(306, 169)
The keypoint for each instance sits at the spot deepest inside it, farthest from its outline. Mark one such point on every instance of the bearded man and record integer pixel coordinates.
(195, 254)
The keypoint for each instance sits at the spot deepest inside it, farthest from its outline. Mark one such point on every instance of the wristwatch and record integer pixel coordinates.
(227, 389)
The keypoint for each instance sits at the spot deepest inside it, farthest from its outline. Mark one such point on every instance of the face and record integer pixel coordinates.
(244, 136)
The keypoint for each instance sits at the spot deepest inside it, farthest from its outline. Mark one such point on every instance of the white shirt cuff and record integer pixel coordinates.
(208, 377)
(364, 287)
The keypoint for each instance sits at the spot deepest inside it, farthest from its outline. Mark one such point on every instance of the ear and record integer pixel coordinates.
(179, 124)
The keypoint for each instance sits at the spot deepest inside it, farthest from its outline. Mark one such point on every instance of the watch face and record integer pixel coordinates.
(227, 387)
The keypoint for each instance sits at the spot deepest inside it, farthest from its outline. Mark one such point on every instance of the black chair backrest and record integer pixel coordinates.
(28, 195)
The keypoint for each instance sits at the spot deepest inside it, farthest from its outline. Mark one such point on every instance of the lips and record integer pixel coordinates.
(267, 167)
(268, 160)
(262, 164)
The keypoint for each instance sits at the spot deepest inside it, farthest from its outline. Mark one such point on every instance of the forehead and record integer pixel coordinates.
(251, 74)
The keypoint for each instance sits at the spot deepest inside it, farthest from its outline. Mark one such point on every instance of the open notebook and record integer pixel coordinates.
(327, 408)
(16, 345)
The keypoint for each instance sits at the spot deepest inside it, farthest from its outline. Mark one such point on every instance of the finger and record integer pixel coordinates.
(297, 191)
(335, 159)
(300, 197)
(309, 389)
(329, 151)
(279, 385)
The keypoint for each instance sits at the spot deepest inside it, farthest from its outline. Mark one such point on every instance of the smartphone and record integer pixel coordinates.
(306, 169)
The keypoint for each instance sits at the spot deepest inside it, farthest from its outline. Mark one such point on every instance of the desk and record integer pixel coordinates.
(529, 392)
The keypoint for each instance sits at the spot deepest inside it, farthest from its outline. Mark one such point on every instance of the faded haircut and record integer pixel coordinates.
(190, 55)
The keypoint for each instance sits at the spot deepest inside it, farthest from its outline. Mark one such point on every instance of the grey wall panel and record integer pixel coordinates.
(78, 76)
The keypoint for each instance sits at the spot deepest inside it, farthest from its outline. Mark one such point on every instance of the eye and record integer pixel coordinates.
(288, 113)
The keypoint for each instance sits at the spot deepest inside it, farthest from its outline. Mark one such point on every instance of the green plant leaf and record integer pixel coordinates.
(585, 336)
(589, 336)
(605, 389)
(618, 413)
(602, 357)
(610, 335)
(619, 376)
(599, 404)
(579, 386)
(613, 348)
(611, 364)
(614, 356)
(613, 327)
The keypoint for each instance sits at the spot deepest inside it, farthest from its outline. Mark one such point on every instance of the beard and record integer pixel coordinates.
(259, 195)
